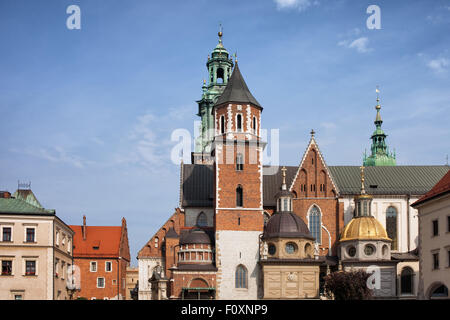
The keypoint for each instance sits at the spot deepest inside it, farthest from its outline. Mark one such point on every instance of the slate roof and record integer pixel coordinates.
(198, 181)
(237, 90)
(19, 206)
(441, 188)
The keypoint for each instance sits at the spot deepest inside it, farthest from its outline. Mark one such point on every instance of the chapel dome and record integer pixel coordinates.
(364, 228)
(195, 236)
(286, 225)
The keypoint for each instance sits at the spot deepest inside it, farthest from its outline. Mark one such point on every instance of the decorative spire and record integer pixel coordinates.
(363, 191)
(220, 34)
(380, 154)
(283, 186)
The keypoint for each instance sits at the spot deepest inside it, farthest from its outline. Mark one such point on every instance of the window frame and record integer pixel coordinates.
(241, 277)
(26, 234)
(317, 224)
(10, 233)
(91, 263)
(435, 227)
(239, 196)
(110, 263)
(11, 273)
(26, 267)
(104, 282)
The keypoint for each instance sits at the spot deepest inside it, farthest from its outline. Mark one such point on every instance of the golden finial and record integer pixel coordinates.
(377, 90)
(220, 34)
(363, 191)
(204, 81)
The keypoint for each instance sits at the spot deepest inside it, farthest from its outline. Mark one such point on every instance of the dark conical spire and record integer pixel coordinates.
(237, 90)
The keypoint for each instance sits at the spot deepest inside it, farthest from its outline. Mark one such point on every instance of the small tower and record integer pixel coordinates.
(219, 65)
(364, 238)
(288, 253)
(238, 173)
(380, 155)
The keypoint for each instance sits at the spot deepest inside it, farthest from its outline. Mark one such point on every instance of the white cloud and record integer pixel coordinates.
(360, 44)
(301, 5)
(55, 154)
(439, 65)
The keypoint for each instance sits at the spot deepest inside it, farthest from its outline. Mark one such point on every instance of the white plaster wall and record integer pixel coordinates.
(235, 248)
(146, 266)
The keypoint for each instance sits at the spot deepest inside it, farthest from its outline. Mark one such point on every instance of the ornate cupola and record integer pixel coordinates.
(220, 66)
(380, 154)
(364, 237)
(284, 196)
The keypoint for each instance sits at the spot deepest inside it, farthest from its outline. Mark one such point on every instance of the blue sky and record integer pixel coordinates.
(87, 115)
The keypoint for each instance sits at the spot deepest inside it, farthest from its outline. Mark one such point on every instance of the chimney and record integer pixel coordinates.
(83, 228)
(5, 194)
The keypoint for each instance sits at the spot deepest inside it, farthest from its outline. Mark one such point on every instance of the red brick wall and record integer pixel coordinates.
(184, 280)
(89, 279)
(229, 178)
(313, 172)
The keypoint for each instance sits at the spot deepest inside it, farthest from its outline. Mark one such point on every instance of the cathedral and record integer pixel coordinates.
(243, 230)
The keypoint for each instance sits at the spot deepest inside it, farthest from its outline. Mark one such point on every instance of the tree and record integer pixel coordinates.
(350, 285)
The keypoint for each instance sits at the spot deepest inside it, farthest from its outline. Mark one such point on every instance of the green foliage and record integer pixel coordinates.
(350, 285)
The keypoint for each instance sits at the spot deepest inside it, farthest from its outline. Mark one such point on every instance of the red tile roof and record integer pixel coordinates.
(106, 239)
(442, 187)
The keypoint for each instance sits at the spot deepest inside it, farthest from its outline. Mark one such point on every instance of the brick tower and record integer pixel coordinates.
(237, 151)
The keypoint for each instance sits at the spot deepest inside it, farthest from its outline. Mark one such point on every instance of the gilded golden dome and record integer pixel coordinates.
(364, 228)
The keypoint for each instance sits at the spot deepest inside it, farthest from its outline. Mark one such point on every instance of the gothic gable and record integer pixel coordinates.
(313, 179)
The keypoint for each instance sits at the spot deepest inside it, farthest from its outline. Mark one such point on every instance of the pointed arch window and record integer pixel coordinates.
(391, 226)
(241, 277)
(239, 196)
(315, 223)
(202, 220)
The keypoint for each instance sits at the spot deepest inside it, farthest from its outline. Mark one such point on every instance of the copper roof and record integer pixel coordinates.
(286, 225)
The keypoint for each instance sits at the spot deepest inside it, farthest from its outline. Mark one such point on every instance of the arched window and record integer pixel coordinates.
(220, 75)
(241, 277)
(156, 242)
(439, 292)
(391, 226)
(239, 162)
(202, 220)
(222, 124)
(239, 122)
(239, 197)
(254, 125)
(407, 281)
(315, 224)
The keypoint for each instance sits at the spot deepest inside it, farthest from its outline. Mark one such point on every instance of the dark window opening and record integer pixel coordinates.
(239, 123)
(222, 124)
(435, 261)
(239, 197)
(220, 75)
(30, 234)
(7, 234)
(435, 227)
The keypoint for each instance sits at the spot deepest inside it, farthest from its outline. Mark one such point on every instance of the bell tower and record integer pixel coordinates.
(219, 65)
(380, 155)
(238, 170)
